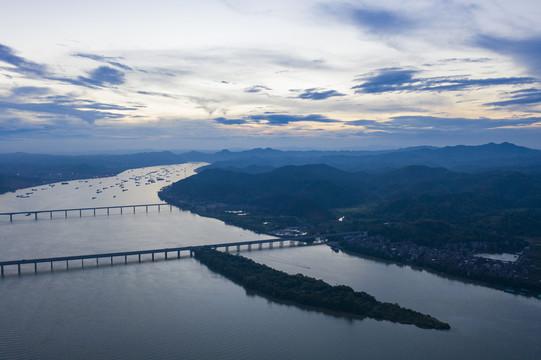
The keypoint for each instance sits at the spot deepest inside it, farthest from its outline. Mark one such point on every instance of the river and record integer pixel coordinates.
(179, 309)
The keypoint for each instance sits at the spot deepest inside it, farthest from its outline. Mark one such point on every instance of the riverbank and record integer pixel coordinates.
(454, 260)
(457, 262)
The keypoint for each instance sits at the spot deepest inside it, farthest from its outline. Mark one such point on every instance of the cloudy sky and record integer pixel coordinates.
(168, 74)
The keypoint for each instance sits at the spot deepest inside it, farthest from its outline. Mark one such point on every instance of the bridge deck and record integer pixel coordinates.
(316, 239)
(80, 210)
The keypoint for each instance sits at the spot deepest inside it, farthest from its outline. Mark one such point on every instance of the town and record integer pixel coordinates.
(457, 259)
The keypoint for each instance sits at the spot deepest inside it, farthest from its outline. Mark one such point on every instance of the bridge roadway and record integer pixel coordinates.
(80, 210)
(318, 239)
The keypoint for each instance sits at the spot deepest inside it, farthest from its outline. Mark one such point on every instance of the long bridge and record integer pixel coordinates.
(176, 251)
(85, 209)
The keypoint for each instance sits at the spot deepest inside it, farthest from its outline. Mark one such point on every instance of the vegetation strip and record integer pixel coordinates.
(307, 291)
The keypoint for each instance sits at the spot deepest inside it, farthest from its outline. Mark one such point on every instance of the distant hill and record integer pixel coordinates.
(43, 168)
(491, 156)
(290, 190)
(405, 194)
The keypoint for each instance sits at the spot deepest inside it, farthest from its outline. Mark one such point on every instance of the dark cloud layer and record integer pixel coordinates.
(525, 51)
(275, 119)
(521, 97)
(22, 66)
(101, 76)
(438, 124)
(88, 111)
(160, 94)
(256, 89)
(104, 75)
(108, 60)
(374, 20)
(379, 21)
(25, 91)
(314, 94)
(396, 79)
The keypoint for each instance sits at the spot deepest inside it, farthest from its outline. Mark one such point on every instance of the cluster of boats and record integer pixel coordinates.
(151, 177)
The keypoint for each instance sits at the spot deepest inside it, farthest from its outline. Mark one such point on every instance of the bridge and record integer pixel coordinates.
(176, 251)
(85, 209)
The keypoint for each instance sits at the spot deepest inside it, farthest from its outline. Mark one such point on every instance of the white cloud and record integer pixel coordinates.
(197, 61)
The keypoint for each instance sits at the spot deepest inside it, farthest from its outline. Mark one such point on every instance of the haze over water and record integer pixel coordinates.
(179, 309)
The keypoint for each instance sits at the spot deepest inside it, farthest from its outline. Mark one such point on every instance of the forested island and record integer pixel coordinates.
(306, 291)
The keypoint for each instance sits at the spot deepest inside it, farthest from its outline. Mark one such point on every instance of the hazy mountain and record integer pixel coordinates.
(47, 168)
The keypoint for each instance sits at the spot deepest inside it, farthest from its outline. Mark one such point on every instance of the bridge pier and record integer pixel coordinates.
(159, 208)
(238, 248)
(50, 214)
(67, 265)
(19, 269)
(94, 212)
(146, 208)
(178, 254)
(152, 256)
(107, 211)
(125, 259)
(10, 219)
(134, 209)
(121, 210)
(139, 257)
(35, 267)
(66, 214)
(227, 249)
(80, 213)
(36, 215)
(165, 254)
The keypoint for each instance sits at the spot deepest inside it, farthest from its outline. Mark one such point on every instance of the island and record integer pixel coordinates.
(305, 291)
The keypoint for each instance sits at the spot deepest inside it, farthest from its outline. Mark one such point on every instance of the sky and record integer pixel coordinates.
(112, 75)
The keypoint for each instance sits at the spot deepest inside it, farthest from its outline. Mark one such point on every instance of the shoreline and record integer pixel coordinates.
(508, 286)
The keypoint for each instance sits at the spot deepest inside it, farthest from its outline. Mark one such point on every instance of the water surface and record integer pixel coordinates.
(179, 309)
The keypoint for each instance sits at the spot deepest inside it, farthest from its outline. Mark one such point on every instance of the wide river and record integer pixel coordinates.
(179, 309)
